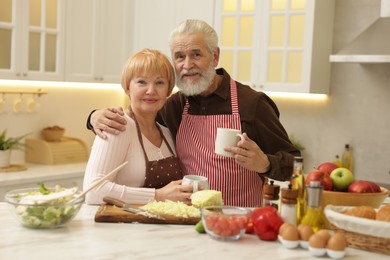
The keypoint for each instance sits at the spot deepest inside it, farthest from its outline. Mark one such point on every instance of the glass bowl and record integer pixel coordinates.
(51, 214)
(225, 223)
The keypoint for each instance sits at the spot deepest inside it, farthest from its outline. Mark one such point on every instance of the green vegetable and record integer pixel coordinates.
(43, 189)
(199, 227)
(204, 198)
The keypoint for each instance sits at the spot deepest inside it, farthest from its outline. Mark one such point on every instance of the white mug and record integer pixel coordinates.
(226, 137)
(197, 181)
(18, 105)
(31, 105)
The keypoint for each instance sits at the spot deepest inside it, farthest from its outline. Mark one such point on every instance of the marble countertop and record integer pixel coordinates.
(82, 238)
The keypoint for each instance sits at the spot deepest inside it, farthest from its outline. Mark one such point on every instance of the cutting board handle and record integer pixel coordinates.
(113, 201)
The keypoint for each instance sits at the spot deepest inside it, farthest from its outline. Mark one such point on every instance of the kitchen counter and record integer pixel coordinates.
(65, 174)
(84, 239)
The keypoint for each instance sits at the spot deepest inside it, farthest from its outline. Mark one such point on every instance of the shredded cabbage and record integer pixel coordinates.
(178, 209)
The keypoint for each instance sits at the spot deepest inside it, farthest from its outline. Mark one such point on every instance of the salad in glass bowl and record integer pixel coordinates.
(44, 207)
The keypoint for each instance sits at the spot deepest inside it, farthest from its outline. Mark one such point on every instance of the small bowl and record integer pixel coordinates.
(225, 223)
(53, 214)
(338, 198)
(53, 134)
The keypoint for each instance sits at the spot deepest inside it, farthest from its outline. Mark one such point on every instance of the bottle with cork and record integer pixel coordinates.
(298, 183)
(288, 205)
(271, 194)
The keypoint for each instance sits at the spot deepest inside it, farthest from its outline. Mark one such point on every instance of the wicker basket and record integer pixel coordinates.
(365, 234)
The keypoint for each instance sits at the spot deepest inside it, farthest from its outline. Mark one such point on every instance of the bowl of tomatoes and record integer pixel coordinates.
(225, 223)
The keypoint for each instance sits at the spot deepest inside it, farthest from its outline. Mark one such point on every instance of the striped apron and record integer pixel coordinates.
(195, 143)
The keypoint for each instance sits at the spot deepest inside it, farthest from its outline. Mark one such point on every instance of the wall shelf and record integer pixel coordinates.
(340, 58)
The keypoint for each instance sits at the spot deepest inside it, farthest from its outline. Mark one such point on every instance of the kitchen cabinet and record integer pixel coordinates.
(277, 45)
(31, 39)
(98, 39)
(155, 19)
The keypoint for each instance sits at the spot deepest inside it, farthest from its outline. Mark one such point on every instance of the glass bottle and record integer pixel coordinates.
(337, 161)
(271, 194)
(346, 158)
(314, 215)
(288, 205)
(298, 183)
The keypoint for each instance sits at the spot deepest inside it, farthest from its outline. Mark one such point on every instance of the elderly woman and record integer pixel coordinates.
(153, 171)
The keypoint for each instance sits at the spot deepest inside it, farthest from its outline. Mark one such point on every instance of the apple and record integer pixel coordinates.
(327, 167)
(320, 176)
(361, 186)
(341, 178)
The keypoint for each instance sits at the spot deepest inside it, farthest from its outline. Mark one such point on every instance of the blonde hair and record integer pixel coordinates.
(148, 61)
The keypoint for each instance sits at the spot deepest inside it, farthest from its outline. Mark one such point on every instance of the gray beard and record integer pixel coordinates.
(189, 88)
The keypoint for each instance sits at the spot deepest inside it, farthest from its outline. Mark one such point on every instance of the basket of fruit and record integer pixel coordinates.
(364, 227)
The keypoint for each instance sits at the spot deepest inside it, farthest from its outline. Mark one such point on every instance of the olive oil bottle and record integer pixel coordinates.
(298, 183)
(314, 215)
(346, 158)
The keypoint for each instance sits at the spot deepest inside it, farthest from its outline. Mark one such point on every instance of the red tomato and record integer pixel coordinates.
(249, 227)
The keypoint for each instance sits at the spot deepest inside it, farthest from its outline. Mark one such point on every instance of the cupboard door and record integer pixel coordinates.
(31, 39)
(277, 45)
(98, 33)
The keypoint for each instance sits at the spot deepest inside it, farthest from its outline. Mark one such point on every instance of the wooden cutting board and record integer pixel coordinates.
(113, 214)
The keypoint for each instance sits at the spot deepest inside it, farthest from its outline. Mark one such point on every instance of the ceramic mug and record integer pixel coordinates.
(197, 181)
(18, 105)
(226, 137)
(31, 105)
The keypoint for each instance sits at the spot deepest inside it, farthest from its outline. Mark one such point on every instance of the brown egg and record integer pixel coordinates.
(317, 241)
(324, 233)
(283, 227)
(337, 242)
(305, 232)
(290, 233)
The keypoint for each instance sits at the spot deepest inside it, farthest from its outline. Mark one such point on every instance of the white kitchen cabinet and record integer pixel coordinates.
(31, 39)
(98, 39)
(277, 45)
(155, 19)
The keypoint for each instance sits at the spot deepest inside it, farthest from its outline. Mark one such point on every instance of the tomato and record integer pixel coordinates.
(249, 227)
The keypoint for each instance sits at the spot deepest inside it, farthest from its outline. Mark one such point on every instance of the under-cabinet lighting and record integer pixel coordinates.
(111, 86)
(291, 95)
(49, 84)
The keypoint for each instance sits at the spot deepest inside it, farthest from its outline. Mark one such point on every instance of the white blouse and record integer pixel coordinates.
(128, 183)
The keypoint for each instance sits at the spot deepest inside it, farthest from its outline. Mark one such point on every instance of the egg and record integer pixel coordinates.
(324, 233)
(337, 242)
(305, 232)
(290, 233)
(284, 226)
(317, 241)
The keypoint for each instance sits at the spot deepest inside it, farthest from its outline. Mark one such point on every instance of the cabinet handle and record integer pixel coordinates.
(17, 74)
(24, 74)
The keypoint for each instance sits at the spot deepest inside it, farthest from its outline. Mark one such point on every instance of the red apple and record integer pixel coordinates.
(327, 167)
(320, 176)
(361, 186)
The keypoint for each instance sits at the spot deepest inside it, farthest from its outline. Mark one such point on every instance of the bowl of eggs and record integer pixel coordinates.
(317, 243)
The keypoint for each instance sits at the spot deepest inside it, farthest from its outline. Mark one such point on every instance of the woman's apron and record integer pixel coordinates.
(160, 172)
(195, 142)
